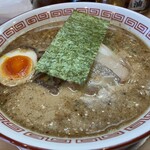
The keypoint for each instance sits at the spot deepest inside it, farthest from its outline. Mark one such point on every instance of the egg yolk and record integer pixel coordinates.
(17, 66)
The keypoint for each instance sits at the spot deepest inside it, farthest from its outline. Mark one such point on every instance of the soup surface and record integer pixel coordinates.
(106, 102)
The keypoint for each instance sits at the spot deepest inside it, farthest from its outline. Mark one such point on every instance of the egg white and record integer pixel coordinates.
(6, 80)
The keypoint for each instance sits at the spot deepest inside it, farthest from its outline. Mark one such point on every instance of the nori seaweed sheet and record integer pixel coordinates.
(73, 50)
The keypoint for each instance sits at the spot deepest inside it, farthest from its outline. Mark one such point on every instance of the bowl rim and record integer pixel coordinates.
(109, 148)
(121, 145)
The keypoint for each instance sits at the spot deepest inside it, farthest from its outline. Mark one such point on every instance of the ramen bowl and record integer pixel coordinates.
(118, 139)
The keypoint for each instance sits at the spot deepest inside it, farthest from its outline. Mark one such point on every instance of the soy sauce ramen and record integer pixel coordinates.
(114, 95)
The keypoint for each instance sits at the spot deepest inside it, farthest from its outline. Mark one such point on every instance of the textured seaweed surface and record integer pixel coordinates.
(72, 52)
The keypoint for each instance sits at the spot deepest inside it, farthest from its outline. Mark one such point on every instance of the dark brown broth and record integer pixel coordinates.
(66, 114)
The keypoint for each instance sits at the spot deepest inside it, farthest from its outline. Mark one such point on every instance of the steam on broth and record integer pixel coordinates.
(114, 95)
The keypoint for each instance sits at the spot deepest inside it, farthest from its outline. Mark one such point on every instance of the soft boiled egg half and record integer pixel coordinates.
(17, 66)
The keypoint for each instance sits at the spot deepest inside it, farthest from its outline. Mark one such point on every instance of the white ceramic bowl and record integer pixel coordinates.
(129, 20)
